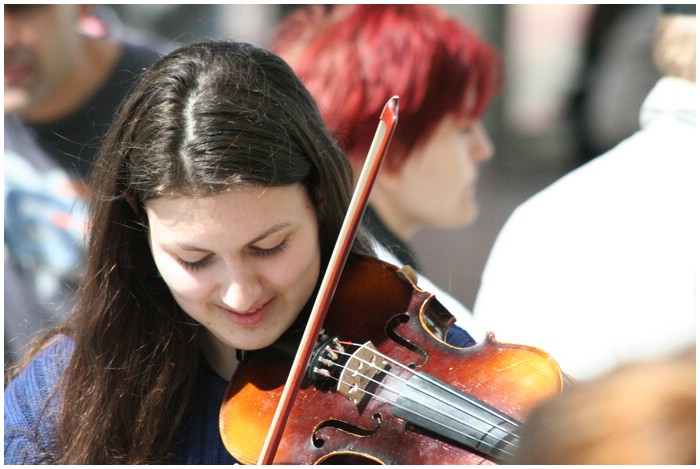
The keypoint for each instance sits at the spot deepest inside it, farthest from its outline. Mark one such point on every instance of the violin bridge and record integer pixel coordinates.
(359, 371)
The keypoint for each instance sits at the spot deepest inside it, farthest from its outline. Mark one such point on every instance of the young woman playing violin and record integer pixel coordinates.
(215, 206)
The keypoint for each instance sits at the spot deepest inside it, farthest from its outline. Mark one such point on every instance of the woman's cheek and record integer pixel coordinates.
(188, 285)
(181, 281)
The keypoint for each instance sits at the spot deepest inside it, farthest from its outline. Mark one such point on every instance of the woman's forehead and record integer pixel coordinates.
(244, 211)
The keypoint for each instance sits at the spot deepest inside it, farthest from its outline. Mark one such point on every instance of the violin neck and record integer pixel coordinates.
(431, 404)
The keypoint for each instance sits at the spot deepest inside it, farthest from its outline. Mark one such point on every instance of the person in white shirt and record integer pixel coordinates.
(600, 268)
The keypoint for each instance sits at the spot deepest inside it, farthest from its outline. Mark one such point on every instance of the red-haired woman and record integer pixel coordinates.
(353, 58)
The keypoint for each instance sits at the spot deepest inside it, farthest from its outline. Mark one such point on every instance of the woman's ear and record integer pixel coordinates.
(389, 179)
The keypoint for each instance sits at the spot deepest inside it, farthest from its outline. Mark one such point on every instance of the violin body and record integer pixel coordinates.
(376, 302)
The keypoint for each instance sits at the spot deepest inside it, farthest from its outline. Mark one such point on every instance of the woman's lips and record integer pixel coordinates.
(249, 318)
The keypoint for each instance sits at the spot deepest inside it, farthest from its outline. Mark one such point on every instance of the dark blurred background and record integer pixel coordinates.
(576, 77)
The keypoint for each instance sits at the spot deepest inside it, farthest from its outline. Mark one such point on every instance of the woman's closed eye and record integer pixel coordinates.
(271, 251)
(466, 129)
(258, 251)
(194, 265)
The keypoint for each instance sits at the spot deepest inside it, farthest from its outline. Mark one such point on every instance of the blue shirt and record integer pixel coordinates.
(197, 441)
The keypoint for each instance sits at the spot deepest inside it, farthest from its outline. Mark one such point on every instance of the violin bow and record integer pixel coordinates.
(377, 150)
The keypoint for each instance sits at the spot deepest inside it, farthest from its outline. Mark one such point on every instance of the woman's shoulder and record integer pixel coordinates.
(38, 378)
(31, 406)
(51, 360)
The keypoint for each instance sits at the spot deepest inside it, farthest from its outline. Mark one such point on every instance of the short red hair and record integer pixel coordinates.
(353, 58)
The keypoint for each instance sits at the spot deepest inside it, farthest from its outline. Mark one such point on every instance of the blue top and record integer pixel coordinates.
(198, 440)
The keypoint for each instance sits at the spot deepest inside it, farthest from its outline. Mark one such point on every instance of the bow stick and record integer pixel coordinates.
(377, 150)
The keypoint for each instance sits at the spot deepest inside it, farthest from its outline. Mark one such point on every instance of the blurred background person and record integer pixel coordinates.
(353, 58)
(65, 76)
(608, 254)
(641, 413)
(617, 72)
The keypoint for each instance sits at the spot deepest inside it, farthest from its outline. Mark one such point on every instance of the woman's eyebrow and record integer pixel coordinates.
(183, 247)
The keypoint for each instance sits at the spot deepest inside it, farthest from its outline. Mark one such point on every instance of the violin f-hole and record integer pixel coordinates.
(347, 427)
(390, 331)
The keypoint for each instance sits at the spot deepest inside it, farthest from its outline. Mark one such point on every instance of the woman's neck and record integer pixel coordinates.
(392, 215)
(220, 357)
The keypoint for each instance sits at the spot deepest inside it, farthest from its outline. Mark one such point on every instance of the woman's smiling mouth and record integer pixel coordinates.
(248, 318)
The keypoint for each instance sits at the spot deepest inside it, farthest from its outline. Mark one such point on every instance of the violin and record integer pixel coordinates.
(384, 387)
(373, 380)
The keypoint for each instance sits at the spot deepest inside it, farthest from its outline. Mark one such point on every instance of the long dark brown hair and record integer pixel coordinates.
(205, 117)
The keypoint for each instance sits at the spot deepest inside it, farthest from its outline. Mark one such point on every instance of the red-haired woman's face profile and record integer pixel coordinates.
(436, 186)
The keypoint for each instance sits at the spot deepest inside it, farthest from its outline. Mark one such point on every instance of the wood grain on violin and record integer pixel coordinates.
(384, 387)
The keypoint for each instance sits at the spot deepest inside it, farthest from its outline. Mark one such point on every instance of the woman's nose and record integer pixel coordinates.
(240, 290)
(481, 146)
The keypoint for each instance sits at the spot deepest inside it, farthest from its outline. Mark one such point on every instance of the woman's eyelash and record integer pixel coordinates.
(260, 252)
(271, 251)
(194, 265)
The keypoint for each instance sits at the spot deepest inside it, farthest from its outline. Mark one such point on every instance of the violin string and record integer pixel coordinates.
(444, 425)
(448, 416)
(455, 393)
(386, 401)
